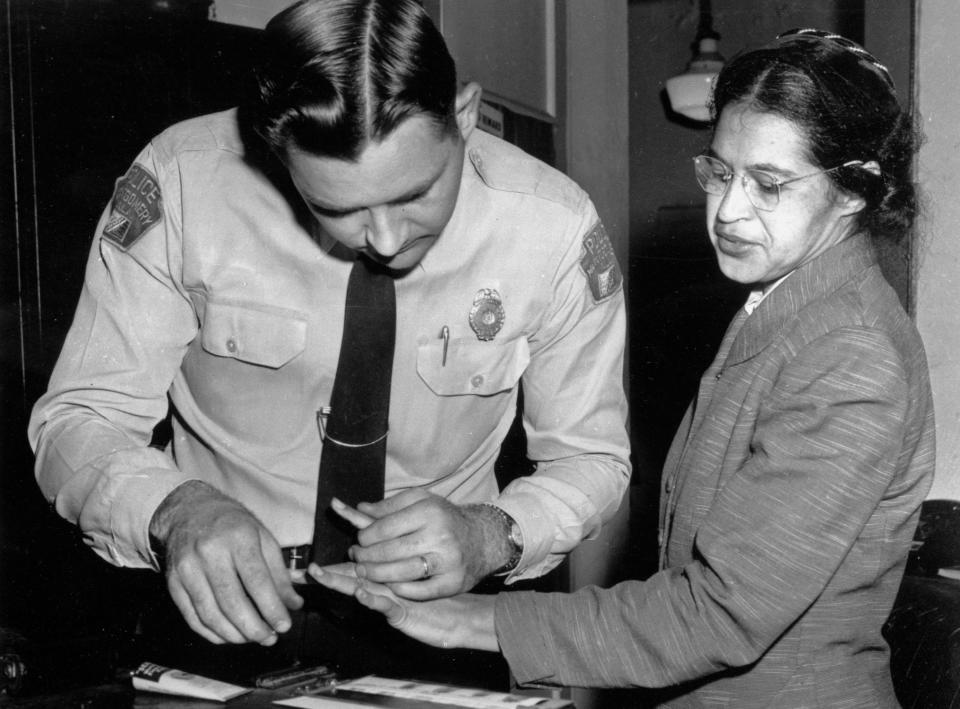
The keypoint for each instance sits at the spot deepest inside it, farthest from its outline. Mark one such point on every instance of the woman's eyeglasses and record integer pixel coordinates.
(761, 188)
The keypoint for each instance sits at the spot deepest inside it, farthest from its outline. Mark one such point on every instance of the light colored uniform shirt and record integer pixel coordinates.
(206, 285)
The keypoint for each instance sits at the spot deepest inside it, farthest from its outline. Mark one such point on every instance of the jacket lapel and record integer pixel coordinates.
(813, 280)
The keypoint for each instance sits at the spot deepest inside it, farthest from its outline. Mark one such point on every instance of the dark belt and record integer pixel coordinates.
(297, 558)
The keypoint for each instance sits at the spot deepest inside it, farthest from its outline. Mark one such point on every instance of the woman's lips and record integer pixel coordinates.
(732, 245)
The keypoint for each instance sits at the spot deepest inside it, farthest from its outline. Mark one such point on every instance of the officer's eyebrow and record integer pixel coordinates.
(411, 195)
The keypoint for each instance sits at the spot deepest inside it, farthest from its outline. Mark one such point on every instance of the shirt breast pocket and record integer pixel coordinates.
(260, 336)
(470, 367)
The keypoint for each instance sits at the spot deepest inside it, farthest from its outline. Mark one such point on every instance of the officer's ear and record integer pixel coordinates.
(467, 107)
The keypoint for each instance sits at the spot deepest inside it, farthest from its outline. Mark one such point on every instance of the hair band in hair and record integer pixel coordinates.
(843, 42)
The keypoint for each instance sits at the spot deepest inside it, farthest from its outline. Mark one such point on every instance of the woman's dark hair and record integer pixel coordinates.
(338, 74)
(844, 101)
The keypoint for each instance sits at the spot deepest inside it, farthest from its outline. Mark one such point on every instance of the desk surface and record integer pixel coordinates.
(123, 696)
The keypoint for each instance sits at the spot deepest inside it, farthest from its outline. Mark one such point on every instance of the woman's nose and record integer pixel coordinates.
(734, 202)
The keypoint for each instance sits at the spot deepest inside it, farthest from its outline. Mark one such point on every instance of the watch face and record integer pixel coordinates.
(516, 536)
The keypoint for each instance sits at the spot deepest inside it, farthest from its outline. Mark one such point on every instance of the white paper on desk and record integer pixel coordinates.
(440, 693)
(422, 692)
(315, 703)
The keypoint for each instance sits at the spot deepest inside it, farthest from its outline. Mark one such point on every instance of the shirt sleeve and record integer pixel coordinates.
(575, 408)
(92, 429)
(825, 449)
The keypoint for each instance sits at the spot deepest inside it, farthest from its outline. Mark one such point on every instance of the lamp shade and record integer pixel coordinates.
(690, 92)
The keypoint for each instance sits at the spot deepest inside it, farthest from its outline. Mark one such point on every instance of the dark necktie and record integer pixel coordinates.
(355, 429)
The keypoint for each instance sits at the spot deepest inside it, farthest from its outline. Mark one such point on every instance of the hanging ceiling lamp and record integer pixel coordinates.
(690, 92)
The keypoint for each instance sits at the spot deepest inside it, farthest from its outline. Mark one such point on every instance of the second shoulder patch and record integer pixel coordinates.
(599, 264)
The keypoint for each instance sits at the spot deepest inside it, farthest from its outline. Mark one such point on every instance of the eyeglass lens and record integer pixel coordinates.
(762, 189)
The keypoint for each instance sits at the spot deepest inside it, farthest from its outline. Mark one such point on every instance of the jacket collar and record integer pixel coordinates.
(811, 281)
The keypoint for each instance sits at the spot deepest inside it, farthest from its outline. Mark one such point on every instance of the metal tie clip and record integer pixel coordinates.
(324, 436)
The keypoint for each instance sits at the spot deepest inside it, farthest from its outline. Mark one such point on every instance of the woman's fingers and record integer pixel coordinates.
(394, 612)
(372, 595)
(334, 579)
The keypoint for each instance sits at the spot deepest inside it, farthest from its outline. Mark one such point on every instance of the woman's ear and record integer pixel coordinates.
(468, 108)
(850, 204)
(853, 203)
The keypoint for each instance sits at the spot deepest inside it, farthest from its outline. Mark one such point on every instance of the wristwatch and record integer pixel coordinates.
(514, 536)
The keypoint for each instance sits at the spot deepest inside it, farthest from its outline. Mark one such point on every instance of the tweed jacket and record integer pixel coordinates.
(789, 500)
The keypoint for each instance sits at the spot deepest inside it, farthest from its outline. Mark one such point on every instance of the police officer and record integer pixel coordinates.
(216, 286)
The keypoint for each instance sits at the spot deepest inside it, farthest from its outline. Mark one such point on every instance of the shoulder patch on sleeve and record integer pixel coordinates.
(599, 264)
(135, 207)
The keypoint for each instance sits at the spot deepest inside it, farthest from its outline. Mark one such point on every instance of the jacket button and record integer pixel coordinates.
(231, 345)
(668, 485)
(476, 381)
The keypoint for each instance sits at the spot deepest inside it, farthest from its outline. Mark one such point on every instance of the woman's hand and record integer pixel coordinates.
(466, 620)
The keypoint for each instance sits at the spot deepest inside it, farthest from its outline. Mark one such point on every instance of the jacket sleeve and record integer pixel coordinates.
(92, 429)
(575, 407)
(825, 449)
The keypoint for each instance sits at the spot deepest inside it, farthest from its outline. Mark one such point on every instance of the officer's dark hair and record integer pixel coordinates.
(336, 75)
(844, 102)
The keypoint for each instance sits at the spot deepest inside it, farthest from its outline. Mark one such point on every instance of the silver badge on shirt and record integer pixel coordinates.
(486, 315)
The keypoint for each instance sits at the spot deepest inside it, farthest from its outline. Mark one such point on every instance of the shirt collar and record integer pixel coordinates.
(756, 296)
(813, 280)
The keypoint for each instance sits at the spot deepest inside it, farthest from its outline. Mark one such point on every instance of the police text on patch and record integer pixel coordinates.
(136, 207)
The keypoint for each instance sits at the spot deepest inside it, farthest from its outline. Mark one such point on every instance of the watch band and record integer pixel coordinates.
(514, 536)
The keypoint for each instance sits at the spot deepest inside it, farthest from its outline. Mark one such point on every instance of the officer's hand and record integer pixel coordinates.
(224, 569)
(421, 545)
(467, 620)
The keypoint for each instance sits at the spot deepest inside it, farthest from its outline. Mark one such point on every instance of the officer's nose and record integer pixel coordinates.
(385, 231)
